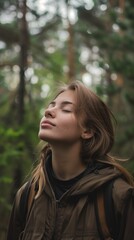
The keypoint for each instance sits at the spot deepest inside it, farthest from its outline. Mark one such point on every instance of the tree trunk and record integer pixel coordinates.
(70, 54)
(24, 40)
(22, 9)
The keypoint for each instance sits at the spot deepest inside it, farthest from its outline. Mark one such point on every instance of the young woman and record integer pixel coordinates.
(75, 165)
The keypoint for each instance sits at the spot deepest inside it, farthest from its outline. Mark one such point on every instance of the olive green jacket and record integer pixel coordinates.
(73, 216)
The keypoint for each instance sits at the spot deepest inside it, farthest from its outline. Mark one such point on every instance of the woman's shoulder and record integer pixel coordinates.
(19, 193)
(122, 187)
(122, 192)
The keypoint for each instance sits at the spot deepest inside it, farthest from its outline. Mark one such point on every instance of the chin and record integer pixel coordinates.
(41, 136)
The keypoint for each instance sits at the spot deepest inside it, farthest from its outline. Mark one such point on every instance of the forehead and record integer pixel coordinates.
(66, 96)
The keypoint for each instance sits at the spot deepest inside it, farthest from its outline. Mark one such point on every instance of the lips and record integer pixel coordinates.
(47, 122)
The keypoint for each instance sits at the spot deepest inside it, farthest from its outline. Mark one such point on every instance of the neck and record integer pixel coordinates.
(66, 162)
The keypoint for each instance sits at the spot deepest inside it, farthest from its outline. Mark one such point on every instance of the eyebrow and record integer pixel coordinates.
(62, 103)
(66, 102)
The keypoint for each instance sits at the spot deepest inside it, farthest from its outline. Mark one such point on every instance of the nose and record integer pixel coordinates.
(50, 112)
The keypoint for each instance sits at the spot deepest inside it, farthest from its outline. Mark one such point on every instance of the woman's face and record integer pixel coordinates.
(60, 124)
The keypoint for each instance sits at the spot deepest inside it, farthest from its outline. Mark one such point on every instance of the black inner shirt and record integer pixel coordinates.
(61, 186)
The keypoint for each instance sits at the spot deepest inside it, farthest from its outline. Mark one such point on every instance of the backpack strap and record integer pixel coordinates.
(101, 216)
(31, 196)
(104, 211)
(26, 201)
(111, 219)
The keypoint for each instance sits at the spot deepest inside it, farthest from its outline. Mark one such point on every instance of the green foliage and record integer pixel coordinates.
(110, 89)
(130, 96)
(10, 146)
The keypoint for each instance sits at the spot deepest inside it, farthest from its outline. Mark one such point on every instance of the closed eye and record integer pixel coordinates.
(66, 110)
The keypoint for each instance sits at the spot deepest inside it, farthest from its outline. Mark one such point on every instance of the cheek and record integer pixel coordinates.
(71, 126)
(69, 122)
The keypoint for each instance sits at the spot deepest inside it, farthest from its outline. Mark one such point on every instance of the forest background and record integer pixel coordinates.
(44, 43)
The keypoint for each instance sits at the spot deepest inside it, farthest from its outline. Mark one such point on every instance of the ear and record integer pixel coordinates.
(87, 134)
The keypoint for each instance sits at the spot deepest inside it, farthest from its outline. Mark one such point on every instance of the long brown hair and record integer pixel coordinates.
(93, 114)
